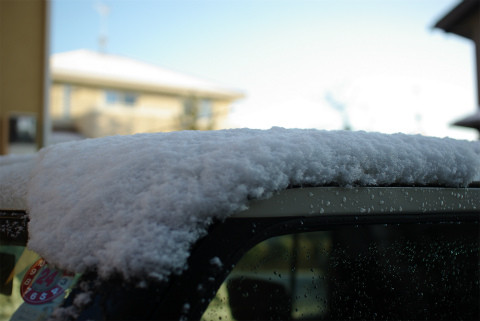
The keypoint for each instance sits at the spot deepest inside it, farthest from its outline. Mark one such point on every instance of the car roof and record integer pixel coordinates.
(318, 201)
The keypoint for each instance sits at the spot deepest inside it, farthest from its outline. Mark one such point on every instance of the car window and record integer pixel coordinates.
(30, 288)
(15, 261)
(394, 271)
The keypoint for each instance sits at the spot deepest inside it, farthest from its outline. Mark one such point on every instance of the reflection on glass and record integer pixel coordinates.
(408, 271)
(31, 289)
(22, 134)
(15, 260)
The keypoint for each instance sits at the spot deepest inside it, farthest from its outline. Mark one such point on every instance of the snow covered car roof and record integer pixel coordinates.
(135, 204)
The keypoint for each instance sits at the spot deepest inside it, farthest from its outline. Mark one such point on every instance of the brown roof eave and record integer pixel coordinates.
(452, 20)
(472, 121)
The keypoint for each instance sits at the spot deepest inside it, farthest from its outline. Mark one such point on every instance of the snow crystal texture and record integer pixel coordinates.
(135, 204)
(14, 174)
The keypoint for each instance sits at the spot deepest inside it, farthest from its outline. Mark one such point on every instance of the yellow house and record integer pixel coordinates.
(98, 94)
(23, 74)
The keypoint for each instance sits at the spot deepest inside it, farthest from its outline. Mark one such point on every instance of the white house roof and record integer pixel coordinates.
(84, 66)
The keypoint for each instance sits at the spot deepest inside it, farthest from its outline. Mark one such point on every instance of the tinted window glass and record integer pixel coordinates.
(30, 288)
(14, 262)
(408, 271)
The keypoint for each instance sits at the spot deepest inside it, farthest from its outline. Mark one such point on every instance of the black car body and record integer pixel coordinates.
(306, 254)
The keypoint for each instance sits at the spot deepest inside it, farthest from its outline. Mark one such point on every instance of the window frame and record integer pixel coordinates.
(113, 97)
(290, 211)
(238, 235)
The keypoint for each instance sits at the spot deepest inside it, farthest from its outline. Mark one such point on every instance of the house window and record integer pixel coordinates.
(129, 99)
(22, 129)
(205, 109)
(197, 108)
(22, 134)
(115, 97)
(197, 113)
(189, 106)
(67, 93)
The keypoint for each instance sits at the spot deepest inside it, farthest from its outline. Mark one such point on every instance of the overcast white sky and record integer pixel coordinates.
(300, 63)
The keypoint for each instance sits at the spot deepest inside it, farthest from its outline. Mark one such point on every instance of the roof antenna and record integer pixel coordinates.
(103, 10)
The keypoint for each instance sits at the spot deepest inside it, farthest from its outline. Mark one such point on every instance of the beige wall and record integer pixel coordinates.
(82, 100)
(221, 110)
(152, 112)
(56, 98)
(23, 26)
(124, 121)
(168, 103)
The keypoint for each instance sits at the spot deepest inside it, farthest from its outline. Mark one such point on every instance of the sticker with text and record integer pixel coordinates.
(43, 283)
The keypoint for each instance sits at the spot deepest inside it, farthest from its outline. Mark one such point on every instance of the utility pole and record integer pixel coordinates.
(103, 10)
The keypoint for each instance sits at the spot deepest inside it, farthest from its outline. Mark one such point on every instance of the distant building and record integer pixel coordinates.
(97, 94)
(464, 20)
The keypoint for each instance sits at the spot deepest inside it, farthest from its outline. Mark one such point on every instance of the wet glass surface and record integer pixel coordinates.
(30, 288)
(383, 272)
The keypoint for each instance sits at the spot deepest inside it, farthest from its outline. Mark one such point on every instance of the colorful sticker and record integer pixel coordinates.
(43, 283)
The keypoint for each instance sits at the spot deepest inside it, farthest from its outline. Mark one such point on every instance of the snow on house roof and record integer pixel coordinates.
(135, 204)
(111, 70)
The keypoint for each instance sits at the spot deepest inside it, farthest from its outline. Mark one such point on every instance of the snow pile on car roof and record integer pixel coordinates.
(135, 204)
